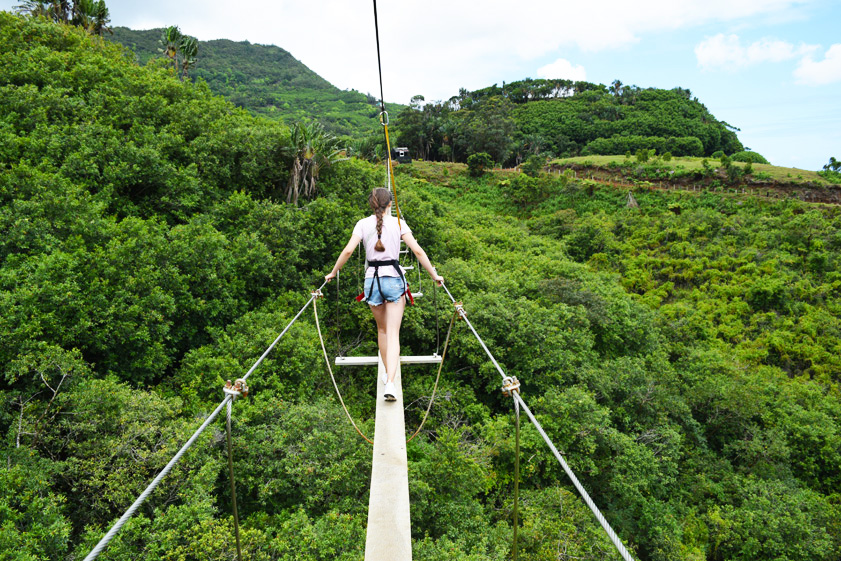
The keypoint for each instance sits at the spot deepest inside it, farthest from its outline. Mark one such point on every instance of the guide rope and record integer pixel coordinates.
(316, 295)
(507, 380)
(437, 377)
(239, 388)
(605, 525)
(106, 539)
(516, 471)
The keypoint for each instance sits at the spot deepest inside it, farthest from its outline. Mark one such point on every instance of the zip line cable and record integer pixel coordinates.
(103, 543)
(379, 62)
(384, 118)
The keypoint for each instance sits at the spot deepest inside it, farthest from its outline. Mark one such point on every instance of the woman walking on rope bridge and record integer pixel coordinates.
(385, 281)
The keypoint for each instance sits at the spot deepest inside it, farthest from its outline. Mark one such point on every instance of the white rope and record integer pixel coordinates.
(145, 494)
(259, 360)
(463, 315)
(130, 512)
(610, 533)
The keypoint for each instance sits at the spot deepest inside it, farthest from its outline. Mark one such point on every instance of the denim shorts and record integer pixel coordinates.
(393, 289)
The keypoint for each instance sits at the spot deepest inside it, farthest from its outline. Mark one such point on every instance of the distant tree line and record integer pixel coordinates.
(562, 118)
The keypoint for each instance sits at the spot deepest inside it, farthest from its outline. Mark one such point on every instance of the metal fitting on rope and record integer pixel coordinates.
(459, 308)
(317, 293)
(384, 118)
(510, 384)
(237, 389)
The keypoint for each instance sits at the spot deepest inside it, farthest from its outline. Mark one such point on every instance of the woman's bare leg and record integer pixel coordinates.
(382, 339)
(394, 318)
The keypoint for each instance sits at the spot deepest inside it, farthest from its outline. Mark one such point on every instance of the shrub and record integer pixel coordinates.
(477, 163)
(533, 165)
(643, 155)
(831, 176)
(667, 157)
(717, 155)
(617, 144)
(749, 157)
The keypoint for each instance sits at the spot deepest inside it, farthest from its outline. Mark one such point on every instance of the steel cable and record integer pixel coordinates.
(605, 525)
(103, 543)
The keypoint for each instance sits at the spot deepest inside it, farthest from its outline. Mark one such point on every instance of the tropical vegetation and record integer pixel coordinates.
(683, 353)
(560, 118)
(268, 81)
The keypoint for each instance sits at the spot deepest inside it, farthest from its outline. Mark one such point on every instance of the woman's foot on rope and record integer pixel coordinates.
(390, 392)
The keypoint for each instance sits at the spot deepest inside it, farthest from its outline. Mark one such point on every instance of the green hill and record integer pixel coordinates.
(683, 355)
(559, 118)
(267, 81)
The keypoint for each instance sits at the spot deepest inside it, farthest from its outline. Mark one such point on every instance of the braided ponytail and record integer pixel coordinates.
(379, 201)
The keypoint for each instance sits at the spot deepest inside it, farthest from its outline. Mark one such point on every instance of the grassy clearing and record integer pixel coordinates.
(774, 173)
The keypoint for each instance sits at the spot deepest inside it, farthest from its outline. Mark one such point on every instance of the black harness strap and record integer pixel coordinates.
(390, 262)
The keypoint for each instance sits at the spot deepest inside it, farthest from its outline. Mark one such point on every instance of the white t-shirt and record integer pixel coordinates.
(367, 230)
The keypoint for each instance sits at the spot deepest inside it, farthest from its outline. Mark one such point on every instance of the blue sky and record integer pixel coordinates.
(770, 67)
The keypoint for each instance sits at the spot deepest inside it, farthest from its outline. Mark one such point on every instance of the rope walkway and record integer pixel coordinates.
(510, 387)
(103, 543)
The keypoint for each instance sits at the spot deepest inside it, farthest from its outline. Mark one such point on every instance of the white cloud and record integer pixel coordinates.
(564, 69)
(822, 72)
(437, 46)
(727, 52)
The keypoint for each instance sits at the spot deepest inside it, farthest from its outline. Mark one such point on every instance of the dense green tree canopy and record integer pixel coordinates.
(563, 118)
(683, 355)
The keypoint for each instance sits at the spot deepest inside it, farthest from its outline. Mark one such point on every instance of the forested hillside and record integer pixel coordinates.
(549, 118)
(683, 354)
(267, 81)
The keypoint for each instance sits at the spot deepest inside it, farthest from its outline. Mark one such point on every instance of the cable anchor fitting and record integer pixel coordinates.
(460, 309)
(317, 293)
(384, 118)
(237, 389)
(510, 384)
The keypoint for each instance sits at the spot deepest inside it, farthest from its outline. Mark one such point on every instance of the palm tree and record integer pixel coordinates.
(91, 15)
(171, 40)
(189, 49)
(61, 10)
(313, 148)
(34, 8)
(101, 19)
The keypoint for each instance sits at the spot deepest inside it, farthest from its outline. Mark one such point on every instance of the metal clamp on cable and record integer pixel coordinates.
(317, 293)
(237, 389)
(510, 384)
(459, 308)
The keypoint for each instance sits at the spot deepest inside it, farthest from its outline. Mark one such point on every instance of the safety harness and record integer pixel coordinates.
(376, 265)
